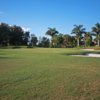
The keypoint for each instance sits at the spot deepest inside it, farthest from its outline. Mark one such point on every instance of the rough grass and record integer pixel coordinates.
(48, 74)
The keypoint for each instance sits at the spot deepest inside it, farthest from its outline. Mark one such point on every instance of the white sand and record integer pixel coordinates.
(88, 49)
(89, 55)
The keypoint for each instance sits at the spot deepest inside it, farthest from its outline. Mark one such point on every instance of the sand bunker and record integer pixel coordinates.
(89, 55)
(88, 49)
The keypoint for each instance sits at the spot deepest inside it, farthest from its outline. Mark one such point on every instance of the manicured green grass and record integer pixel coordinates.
(48, 74)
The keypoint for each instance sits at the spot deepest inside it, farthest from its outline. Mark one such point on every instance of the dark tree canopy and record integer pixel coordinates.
(34, 40)
(12, 35)
(16, 35)
(4, 34)
(52, 32)
(44, 42)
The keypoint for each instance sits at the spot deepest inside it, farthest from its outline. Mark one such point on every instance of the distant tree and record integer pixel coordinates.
(78, 31)
(96, 32)
(88, 39)
(66, 40)
(52, 32)
(57, 40)
(73, 41)
(60, 40)
(26, 38)
(13, 35)
(16, 35)
(44, 42)
(69, 41)
(4, 34)
(34, 40)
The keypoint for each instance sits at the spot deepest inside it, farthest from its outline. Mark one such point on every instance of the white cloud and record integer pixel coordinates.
(26, 29)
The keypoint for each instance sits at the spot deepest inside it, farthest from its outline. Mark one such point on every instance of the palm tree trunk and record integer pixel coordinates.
(98, 42)
(78, 42)
(85, 43)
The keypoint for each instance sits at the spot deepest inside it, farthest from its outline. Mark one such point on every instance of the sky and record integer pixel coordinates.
(38, 15)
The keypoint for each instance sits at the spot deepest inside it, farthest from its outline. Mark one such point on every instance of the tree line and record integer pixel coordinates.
(81, 37)
(15, 36)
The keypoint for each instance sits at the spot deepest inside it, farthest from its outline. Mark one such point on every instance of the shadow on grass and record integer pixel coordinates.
(12, 47)
(8, 58)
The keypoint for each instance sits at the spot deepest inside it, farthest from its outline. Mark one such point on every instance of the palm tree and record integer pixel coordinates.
(51, 32)
(78, 30)
(96, 30)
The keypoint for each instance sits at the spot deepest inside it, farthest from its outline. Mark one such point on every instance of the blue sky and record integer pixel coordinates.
(38, 15)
